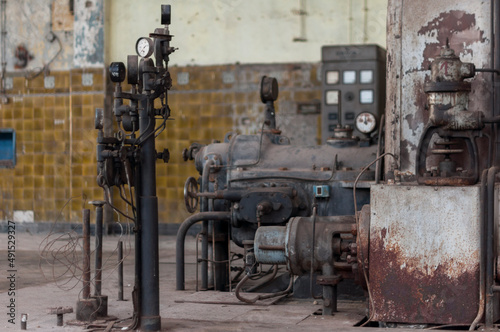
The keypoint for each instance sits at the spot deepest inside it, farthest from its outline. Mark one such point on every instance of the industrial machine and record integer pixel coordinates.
(410, 212)
(127, 159)
(252, 184)
(420, 233)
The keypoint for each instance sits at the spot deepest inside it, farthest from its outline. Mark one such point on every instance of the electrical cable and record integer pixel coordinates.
(45, 68)
(360, 250)
(107, 198)
(260, 297)
(311, 270)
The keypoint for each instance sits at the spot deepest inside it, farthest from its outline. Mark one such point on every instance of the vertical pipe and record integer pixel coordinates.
(329, 293)
(86, 254)
(136, 294)
(204, 230)
(181, 236)
(490, 246)
(120, 270)
(98, 246)
(482, 262)
(495, 25)
(150, 285)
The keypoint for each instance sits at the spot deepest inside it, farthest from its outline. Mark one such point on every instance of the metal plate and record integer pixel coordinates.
(424, 254)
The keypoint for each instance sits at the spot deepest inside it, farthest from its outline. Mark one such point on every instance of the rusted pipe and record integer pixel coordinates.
(379, 149)
(86, 254)
(482, 260)
(181, 236)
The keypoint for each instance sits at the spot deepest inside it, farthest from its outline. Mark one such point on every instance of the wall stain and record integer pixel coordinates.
(457, 26)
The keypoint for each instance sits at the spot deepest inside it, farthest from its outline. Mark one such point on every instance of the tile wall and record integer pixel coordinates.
(55, 171)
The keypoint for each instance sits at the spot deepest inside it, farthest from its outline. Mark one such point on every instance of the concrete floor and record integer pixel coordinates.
(50, 278)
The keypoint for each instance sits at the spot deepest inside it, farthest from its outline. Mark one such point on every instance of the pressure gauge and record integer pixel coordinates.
(366, 122)
(117, 72)
(144, 47)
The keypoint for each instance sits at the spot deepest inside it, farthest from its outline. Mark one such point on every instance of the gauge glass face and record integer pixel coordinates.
(366, 122)
(143, 47)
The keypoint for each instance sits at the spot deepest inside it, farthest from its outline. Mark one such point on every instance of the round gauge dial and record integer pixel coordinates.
(366, 122)
(144, 47)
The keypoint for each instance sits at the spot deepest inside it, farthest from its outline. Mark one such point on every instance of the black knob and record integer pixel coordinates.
(165, 155)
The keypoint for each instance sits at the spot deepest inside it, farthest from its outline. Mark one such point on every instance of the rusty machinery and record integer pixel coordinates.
(127, 158)
(254, 184)
(423, 248)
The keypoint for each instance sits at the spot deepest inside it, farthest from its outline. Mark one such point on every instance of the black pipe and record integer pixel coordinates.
(181, 236)
(136, 293)
(120, 271)
(86, 254)
(150, 284)
(490, 246)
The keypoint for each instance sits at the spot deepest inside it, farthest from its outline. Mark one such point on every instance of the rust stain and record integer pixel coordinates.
(421, 117)
(404, 291)
(383, 233)
(456, 25)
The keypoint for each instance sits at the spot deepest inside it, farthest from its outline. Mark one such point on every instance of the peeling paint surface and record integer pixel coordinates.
(424, 253)
(88, 34)
(28, 23)
(421, 31)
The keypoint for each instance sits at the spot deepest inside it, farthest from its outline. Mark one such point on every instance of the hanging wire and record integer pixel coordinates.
(360, 250)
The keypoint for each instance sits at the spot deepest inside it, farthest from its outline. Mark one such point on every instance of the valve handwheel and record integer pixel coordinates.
(191, 194)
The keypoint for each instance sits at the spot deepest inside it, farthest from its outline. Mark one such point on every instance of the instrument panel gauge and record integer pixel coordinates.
(366, 122)
(144, 47)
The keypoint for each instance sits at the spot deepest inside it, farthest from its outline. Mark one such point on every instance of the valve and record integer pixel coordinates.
(191, 194)
(164, 155)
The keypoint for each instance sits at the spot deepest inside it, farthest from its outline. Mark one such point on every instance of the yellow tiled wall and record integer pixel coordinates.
(55, 145)
(56, 165)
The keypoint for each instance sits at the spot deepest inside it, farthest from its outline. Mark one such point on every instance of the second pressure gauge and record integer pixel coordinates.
(366, 122)
(144, 47)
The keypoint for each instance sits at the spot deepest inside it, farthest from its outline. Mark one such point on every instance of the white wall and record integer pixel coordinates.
(257, 31)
